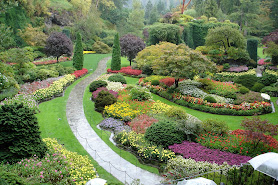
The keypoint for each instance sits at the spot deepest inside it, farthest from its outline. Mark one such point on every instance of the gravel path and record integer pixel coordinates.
(102, 153)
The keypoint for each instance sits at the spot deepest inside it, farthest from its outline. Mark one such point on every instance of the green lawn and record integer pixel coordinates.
(260, 53)
(53, 122)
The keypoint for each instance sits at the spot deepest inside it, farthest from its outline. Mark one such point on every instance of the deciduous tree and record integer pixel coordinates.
(33, 36)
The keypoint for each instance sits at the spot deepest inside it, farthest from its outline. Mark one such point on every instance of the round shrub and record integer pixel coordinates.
(243, 90)
(164, 133)
(246, 80)
(95, 93)
(117, 78)
(215, 126)
(177, 113)
(268, 79)
(140, 94)
(155, 82)
(257, 87)
(210, 99)
(96, 84)
(104, 98)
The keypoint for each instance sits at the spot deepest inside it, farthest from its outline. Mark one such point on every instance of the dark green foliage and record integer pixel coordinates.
(116, 54)
(164, 133)
(243, 90)
(117, 78)
(147, 70)
(246, 80)
(8, 93)
(19, 133)
(104, 98)
(155, 82)
(210, 99)
(215, 126)
(9, 178)
(164, 32)
(252, 47)
(187, 36)
(66, 32)
(257, 87)
(78, 57)
(271, 90)
(96, 84)
(268, 79)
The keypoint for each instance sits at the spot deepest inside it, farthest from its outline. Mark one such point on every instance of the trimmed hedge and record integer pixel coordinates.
(252, 45)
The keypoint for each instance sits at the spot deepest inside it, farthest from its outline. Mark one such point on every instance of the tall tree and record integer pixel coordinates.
(116, 54)
(154, 16)
(78, 57)
(136, 19)
(274, 12)
(148, 10)
(6, 37)
(160, 7)
(211, 8)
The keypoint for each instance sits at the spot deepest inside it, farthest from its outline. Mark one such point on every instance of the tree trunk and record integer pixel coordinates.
(57, 59)
(177, 82)
(130, 62)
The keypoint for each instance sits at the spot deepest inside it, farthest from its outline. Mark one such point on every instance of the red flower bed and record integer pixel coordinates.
(169, 81)
(141, 123)
(127, 70)
(81, 72)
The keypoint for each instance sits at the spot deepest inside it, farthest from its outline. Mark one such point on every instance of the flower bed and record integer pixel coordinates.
(238, 69)
(95, 93)
(201, 153)
(141, 123)
(120, 110)
(127, 71)
(114, 125)
(80, 73)
(46, 62)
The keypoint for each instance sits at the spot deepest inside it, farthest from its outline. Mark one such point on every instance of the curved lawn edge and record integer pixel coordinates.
(53, 124)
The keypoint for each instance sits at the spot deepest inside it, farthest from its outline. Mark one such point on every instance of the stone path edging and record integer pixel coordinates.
(94, 145)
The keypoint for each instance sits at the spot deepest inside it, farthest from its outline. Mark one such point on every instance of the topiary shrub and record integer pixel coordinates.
(155, 82)
(117, 78)
(268, 79)
(164, 133)
(210, 99)
(243, 90)
(96, 84)
(246, 80)
(19, 133)
(103, 99)
(257, 87)
(177, 113)
(215, 126)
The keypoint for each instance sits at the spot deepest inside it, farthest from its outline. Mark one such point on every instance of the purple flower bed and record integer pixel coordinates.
(95, 93)
(201, 153)
(238, 69)
(114, 125)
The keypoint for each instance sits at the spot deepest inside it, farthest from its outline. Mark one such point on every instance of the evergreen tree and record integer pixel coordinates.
(211, 8)
(148, 10)
(136, 19)
(116, 54)
(154, 16)
(160, 7)
(78, 57)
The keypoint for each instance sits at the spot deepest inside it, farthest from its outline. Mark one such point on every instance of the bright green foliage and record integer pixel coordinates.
(252, 48)
(100, 47)
(19, 133)
(210, 99)
(6, 39)
(117, 78)
(116, 54)
(215, 126)
(78, 57)
(164, 32)
(178, 61)
(136, 19)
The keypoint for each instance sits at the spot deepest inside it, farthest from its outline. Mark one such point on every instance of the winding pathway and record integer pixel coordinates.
(94, 145)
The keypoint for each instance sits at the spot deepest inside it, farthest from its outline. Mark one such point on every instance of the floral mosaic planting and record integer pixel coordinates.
(201, 153)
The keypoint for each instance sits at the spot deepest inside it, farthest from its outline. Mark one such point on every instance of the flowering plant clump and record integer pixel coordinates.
(229, 76)
(27, 100)
(238, 69)
(54, 89)
(168, 81)
(80, 73)
(159, 107)
(29, 88)
(127, 70)
(104, 77)
(114, 125)
(120, 110)
(115, 86)
(141, 123)
(201, 153)
(46, 61)
(180, 167)
(143, 148)
(95, 93)
(267, 71)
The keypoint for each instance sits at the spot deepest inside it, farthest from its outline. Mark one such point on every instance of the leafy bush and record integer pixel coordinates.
(8, 93)
(210, 99)
(20, 135)
(117, 78)
(140, 94)
(43, 74)
(271, 90)
(268, 79)
(159, 107)
(104, 98)
(215, 126)
(9, 178)
(176, 113)
(243, 90)
(257, 87)
(146, 69)
(96, 84)
(246, 80)
(155, 82)
(100, 47)
(164, 133)
(95, 93)
(248, 97)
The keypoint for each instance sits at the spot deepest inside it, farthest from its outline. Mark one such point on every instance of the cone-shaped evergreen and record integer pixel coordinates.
(78, 53)
(116, 54)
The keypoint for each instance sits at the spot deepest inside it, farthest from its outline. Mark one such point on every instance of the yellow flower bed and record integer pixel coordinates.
(89, 52)
(55, 88)
(159, 107)
(271, 72)
(144, 149)
(249, 72)
(120, 110)
(81, 168)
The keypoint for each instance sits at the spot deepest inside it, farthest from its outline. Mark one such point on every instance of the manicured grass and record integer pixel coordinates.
(124, 62)
(53, 124)
(95, 118)
(260, 53)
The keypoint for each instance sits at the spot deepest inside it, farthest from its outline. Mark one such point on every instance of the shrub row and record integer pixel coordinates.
(127, 70)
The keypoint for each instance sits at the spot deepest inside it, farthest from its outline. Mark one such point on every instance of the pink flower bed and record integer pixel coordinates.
(127, 70)
(62, 59)
(238, 69)
(201, 153)
(29, 88)
(80, 73)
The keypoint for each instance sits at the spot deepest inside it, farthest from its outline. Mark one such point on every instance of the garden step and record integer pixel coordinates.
(94, 145)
